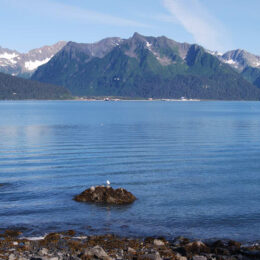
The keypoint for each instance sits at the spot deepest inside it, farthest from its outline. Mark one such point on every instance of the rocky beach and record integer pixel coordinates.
(70, 245)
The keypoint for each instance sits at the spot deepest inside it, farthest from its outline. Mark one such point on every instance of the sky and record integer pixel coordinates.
(218, 25)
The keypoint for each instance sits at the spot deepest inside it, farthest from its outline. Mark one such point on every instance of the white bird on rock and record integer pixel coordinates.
(108, 183)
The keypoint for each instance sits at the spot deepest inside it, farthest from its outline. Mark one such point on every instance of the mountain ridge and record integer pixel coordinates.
(246, 63)
(145, 66)
(24, 64)
(241, 59)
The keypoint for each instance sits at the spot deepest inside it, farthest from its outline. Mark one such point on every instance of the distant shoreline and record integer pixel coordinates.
(117, 99)
(130, 100)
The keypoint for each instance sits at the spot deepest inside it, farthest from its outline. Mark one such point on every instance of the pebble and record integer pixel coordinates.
(44, 251)
(179, 257)
(11, 257)
(131, 250)
(158, 242)
(199, 257)
(151, 257)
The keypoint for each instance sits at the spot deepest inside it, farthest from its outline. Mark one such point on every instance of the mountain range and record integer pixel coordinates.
(144, 67)
(24, 64)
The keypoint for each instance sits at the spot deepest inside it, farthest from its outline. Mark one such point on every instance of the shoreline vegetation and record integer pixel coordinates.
(70, 245)
(112, 99)
(117, 98)
(107, 98)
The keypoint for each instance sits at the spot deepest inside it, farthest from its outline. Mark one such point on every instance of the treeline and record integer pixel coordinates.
(14, 88)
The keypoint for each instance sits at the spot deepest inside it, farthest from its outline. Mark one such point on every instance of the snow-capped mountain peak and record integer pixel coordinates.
(24, 64)
(238, 59)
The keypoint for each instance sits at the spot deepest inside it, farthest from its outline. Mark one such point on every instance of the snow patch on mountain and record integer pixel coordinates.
(230, 61)
(24, 64)
(3, 63)
(8, 56)
(215, 53)
(257, 64)
(148, 45)
(116, 43)
(32, 65)
(8, 59)
(165, 61)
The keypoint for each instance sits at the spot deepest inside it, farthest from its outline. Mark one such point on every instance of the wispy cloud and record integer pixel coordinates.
(165, 18)
(73, 13)
(198, 21)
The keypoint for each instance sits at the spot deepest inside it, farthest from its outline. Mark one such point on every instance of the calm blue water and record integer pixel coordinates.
(194, 166)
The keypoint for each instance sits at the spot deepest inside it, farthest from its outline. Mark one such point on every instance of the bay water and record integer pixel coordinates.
(194, 167)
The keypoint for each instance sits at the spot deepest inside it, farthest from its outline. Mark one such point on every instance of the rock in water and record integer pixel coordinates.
(106, 195)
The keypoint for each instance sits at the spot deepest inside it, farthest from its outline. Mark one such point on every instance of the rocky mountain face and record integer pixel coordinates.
(24, 64)
(241, 59)
(73, 57)
(144, 67)
(247, 64)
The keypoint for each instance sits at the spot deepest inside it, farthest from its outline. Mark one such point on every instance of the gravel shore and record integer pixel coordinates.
(67, 245)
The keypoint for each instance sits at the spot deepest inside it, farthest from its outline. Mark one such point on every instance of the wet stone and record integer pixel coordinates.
(106, 195)
(158, 242)
(67, 246)
(12, 233)
(199, 257)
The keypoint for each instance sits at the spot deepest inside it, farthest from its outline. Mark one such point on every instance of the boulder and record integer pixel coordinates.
(196, 247)
(107, 195)
(70, 233)
(12, 233)
(131, 250)
(44, 251)
(155, 256)
(52, 237)
(180, 241)
(254, 254)
(97, 252)
(179, 257)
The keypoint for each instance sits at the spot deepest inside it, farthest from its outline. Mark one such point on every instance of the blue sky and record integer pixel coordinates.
(215, 24)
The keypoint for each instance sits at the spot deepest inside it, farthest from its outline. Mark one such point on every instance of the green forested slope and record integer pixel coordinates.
(17, 88)
(147, 67)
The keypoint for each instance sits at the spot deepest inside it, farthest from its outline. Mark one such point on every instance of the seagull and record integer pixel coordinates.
(108, 183)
